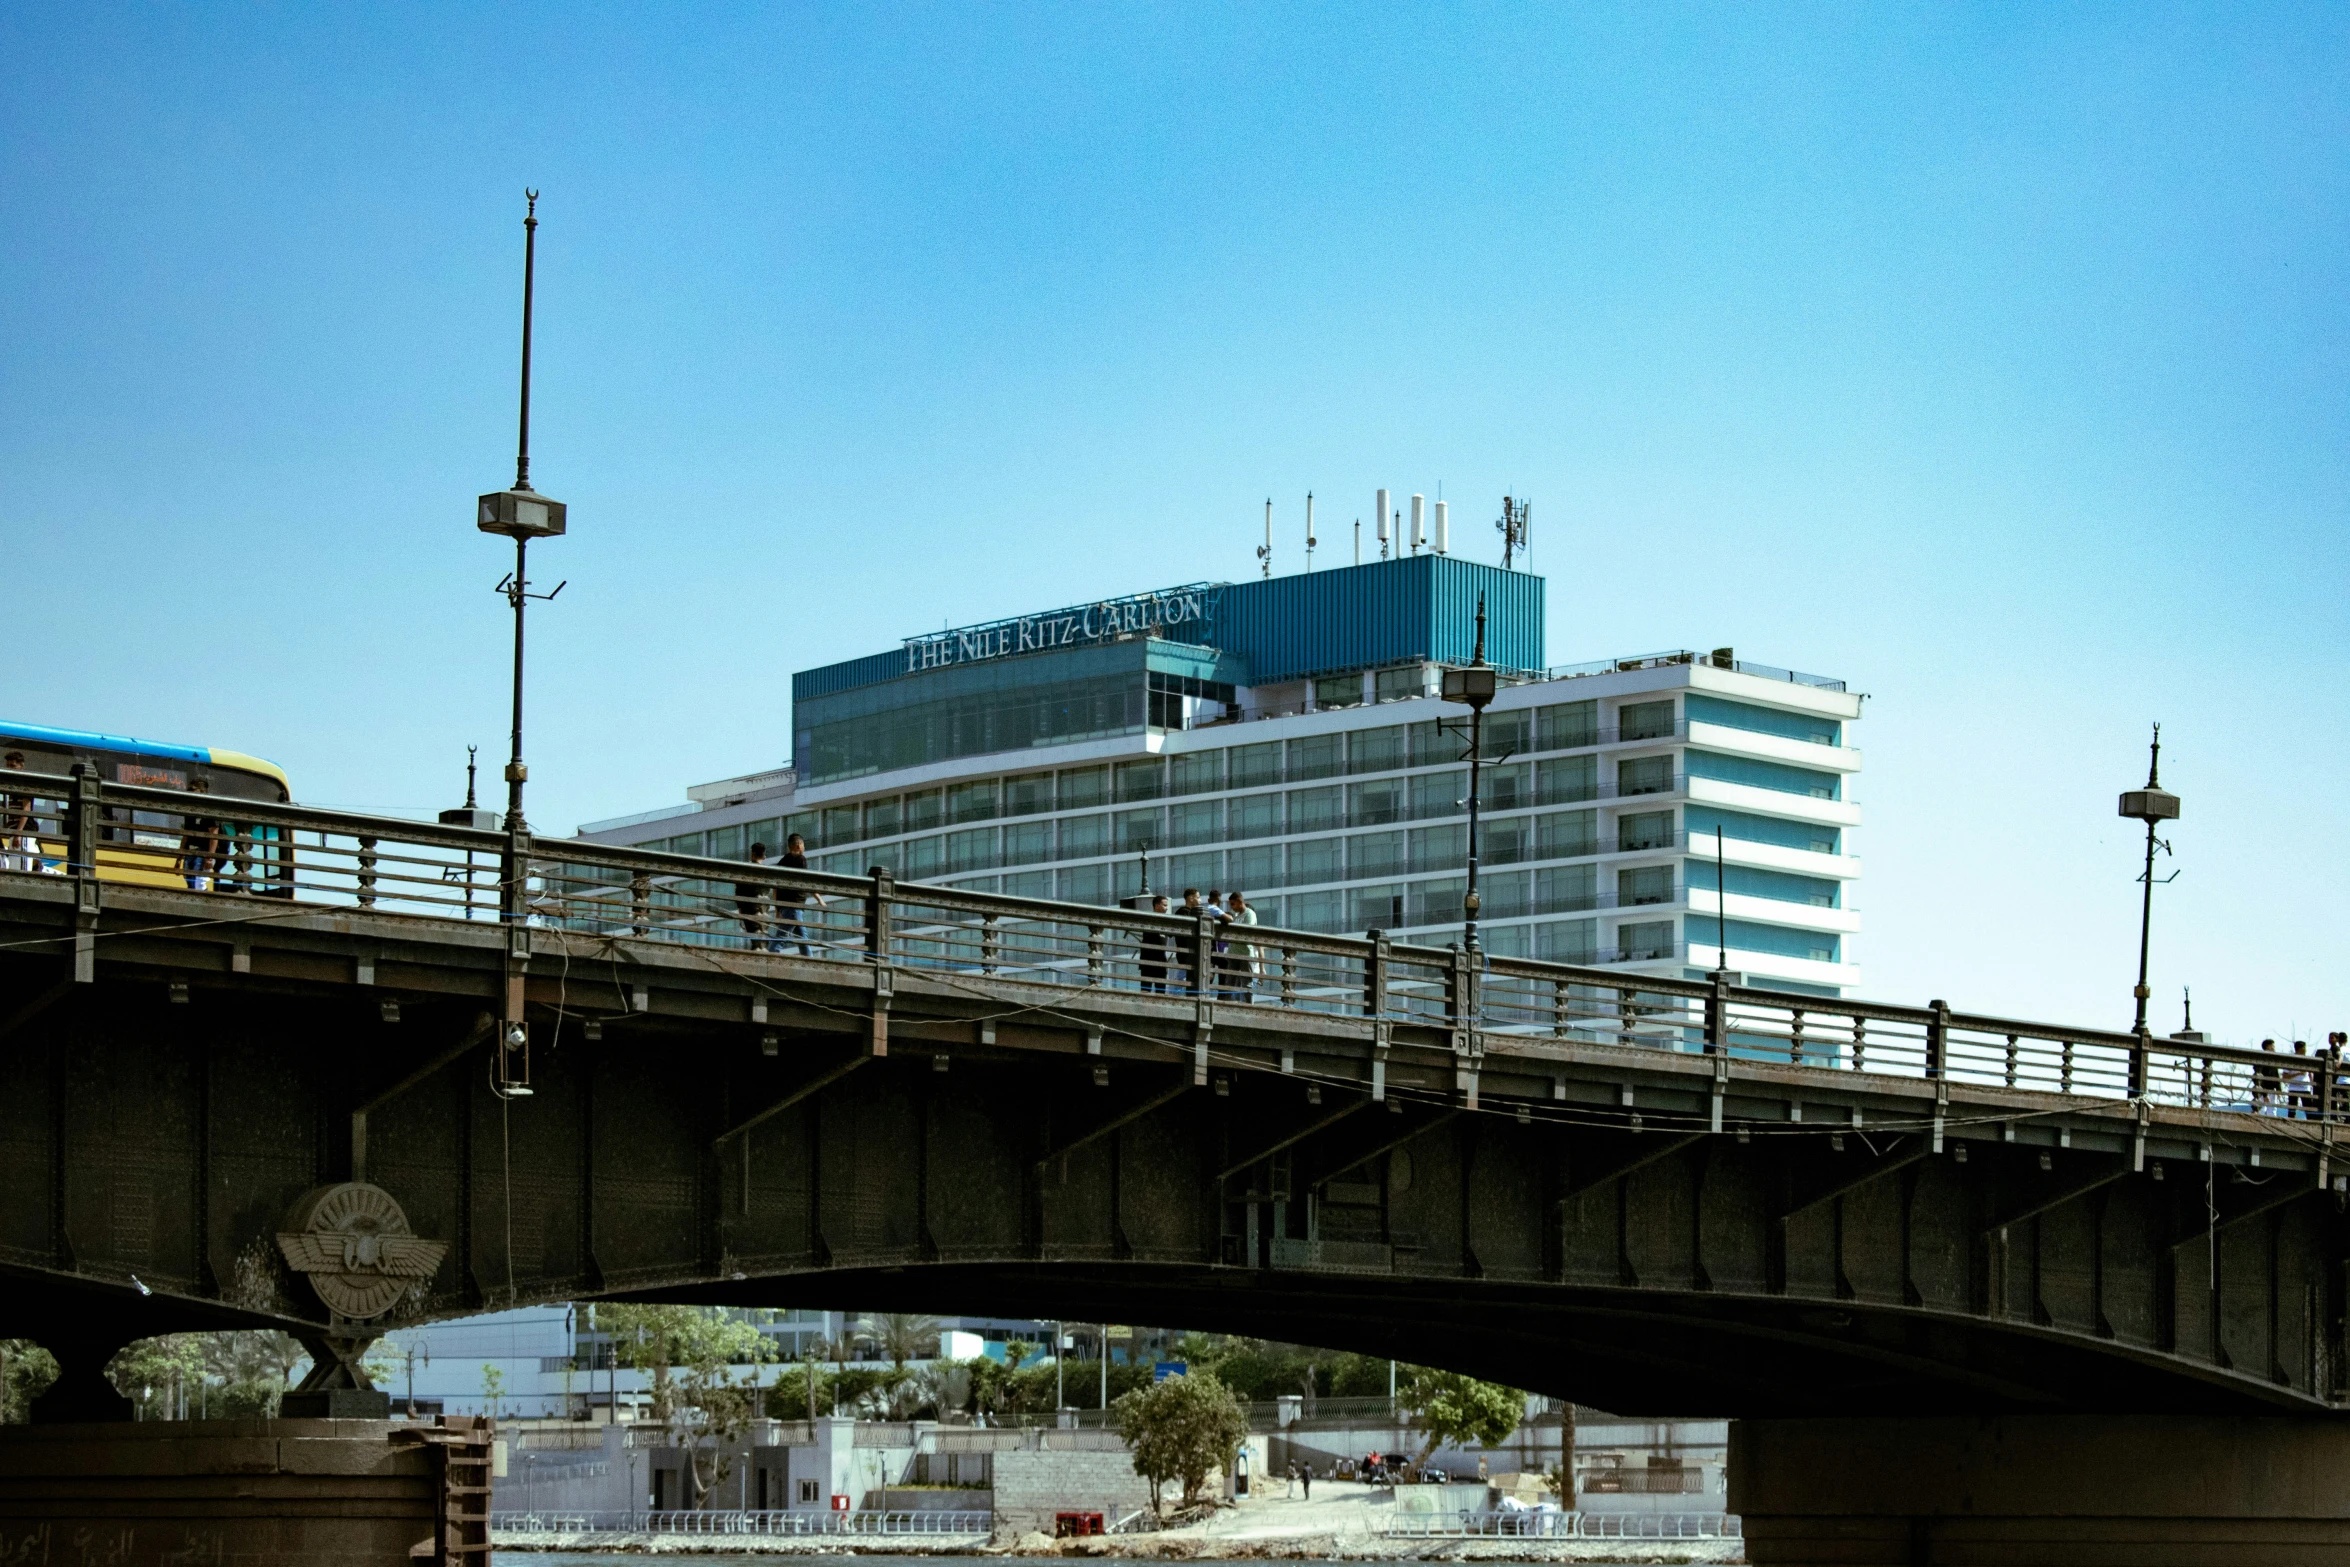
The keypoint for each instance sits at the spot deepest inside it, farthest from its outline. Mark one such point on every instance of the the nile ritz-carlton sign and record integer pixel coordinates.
(1102, 622)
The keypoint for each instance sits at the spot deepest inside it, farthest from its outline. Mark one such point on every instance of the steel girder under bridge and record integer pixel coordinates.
(290, 1099)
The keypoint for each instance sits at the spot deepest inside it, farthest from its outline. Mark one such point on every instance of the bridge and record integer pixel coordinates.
(376, 1071)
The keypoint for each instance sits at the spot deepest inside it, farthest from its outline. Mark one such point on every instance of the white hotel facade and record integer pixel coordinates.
(1287, 744)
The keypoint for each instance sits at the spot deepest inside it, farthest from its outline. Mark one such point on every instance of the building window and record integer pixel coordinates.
(1375, 854)
(1442, 848)
(1645, 721)
(1254, 868)
(881, 818)
(971, 851)
(810, 1493)
(1565, 889)
(1401, 685)
(1508, 788)
(1315, 861)
(1439, 902)
(1503, 842)
(1567, 941)
(1083, 787)
(1644, 775)
(925, 809)
(1508, 734)
(1378, 750)
(1255, 816)
(1644, 942)
(1561, 835)
(1141, 830)
(1029, 884)
(1028, 795)
(1316, 911)
(1201, 821)
(1255, 765)
(1204, 872)
(1568, 780)
(1317, 810)
(1140, 781)
(1375, 804)
(1644, 884)
(1084, 883)
(1315, 756)
(1377, 908)
(1567, 725)
(1082, 837)
(1339, 691)
(921, 859)
(1195, 772)
(1645, 830)
(1028, 843)
(1439, 794)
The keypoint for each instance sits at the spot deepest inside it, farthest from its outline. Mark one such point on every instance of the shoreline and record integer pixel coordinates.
(1168, 1547)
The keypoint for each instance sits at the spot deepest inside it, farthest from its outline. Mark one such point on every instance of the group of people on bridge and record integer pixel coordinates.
(2291, 1088)
(1232, 961)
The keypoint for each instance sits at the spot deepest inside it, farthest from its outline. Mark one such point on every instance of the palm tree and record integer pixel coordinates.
(902, 1336)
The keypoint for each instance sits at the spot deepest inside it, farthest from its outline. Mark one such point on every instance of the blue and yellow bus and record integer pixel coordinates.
(207, 844)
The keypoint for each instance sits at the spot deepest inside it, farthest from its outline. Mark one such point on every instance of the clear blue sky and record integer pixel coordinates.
(1992, 358)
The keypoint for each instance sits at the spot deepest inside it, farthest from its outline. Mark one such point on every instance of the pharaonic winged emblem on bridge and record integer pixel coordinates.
(353, 1243)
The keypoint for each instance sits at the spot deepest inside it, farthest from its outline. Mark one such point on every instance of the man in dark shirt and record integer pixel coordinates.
(1150, 956)
(788, 901)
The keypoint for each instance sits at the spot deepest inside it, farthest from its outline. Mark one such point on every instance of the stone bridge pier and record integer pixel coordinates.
(2149, 1490)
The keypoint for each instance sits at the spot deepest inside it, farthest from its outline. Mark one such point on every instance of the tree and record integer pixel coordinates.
(691, 1352)
(493, 1388)
(1450, 1407)
(1185, 1428)
(903, 1336)
(150, 1372)
(26, 1370)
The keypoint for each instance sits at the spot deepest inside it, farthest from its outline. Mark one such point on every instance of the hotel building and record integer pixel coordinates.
(1283, 737)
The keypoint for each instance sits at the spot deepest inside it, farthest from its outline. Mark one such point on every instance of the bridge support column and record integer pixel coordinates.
(337, 1387)
(81, 1392)
(2043, 1491)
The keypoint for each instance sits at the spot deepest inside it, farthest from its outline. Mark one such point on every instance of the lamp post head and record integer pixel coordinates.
(2150, 805)
(521, 513)
(1473, 686)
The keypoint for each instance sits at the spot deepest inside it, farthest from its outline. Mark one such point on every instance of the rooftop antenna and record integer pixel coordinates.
(1516, 529)
(2187, 998)
(1358, 541)
(1419, 521)
(1265, 550)
(470, 752)
(1382, 524)
(1310, 530)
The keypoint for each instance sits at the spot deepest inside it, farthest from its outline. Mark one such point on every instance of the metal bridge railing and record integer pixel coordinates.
(593, 897)
(1550, 1524)
(729, 1521)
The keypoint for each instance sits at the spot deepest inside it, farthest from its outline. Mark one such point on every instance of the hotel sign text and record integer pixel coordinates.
(1103, 622)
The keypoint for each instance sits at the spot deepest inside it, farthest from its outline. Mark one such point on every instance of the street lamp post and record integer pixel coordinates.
(1473, 687)
(521, 514)
(2152, 805)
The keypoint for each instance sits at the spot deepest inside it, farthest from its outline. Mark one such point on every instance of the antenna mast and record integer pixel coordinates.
(1265, 550)
(1516, 529)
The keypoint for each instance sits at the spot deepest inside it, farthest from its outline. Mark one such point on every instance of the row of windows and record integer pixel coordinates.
(1373, 803)
(1505, 840)
(1196, 824)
